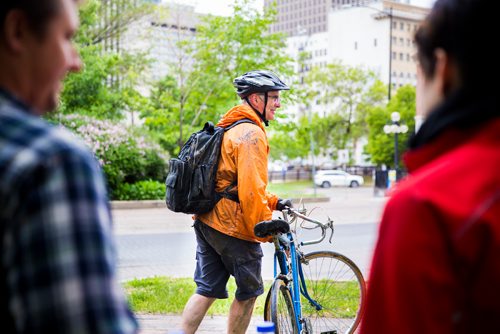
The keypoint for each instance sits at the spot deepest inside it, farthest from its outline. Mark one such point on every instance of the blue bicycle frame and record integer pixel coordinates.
(296, 290)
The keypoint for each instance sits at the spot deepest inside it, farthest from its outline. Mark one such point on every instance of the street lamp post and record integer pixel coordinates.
(395, 128)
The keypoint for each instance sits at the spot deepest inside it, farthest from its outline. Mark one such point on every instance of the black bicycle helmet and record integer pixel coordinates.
(260, 81)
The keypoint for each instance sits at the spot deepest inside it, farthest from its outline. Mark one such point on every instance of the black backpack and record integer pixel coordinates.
(191, 177)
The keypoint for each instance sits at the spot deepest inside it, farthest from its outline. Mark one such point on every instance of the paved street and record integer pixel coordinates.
(158, 242)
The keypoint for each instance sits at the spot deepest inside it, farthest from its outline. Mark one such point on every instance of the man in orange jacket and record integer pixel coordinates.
(226, 241)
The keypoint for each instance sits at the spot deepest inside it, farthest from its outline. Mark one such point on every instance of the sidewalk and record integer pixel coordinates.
(146, 220)
(156, 324)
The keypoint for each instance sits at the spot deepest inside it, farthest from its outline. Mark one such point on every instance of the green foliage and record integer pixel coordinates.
(287, 141)
(102, 21)
(161, 116)
(223, 48)
(381, 145)
(336, 100)
(105, 87)
(126, 156)
(142, 190)
(344, 91)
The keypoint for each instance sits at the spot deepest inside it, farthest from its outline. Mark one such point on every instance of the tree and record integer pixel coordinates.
(105, 87)
(160, 116)
(288, 140)
(338, 96)
(381, 145)
(102, 22)
(224, 47)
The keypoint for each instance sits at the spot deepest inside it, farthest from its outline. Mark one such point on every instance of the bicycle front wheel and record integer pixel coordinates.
(337, 289)
(279, 308)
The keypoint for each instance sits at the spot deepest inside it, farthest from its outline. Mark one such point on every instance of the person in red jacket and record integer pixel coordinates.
(436, 266)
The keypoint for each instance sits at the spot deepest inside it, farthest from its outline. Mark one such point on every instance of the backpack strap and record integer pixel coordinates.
(225, 193)
(243, 120)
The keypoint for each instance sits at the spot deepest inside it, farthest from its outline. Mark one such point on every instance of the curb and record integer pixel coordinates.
(150, 204)
(121, 205)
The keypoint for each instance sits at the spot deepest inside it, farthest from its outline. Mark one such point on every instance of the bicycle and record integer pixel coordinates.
(310, 293)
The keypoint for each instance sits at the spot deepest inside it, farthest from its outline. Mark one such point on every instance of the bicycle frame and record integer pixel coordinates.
(292, 267)
(297, 277)
(280, 259)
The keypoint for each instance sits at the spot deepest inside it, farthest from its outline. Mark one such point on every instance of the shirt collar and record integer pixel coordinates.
(10, 98)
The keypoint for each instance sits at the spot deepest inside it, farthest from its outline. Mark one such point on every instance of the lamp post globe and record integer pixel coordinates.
(395, 117)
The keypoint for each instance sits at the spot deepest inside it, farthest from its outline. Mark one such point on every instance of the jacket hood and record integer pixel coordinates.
(240, 112)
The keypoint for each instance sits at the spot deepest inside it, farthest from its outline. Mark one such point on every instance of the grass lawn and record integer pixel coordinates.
(166, 295)
(293, 189)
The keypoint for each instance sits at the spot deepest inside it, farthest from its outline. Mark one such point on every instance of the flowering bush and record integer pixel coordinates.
(125, 155)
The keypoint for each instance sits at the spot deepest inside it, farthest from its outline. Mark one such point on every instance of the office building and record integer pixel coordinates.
(311, 15)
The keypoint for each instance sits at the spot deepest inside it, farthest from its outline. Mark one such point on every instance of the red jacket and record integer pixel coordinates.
(436, 266)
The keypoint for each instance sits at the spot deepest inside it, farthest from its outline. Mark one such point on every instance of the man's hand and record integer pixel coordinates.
(283, 203)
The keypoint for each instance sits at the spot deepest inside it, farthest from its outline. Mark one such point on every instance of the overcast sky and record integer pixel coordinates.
(222, 7)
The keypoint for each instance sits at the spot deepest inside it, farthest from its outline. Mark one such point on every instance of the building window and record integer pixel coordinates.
(400, 56)
(401, 26)
(394, 25)
(375, 42)
(355, 45)
(401, 41)
(408, 57)
(394, 56)
(394, 40)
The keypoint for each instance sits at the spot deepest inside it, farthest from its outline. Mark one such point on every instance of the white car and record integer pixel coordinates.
(328, 178)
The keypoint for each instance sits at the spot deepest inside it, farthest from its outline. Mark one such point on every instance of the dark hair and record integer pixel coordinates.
(466, 30)
(38, 12)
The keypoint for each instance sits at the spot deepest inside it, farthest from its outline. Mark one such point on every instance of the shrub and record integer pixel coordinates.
(141, 190)
(126, 156)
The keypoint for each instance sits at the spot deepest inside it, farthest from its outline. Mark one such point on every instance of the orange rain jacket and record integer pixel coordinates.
(243, 157)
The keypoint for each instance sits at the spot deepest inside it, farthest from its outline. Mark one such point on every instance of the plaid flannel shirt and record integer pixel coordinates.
(58, 261)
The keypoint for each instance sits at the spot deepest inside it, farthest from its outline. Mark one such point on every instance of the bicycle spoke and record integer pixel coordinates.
(337, 285)
(282, 313)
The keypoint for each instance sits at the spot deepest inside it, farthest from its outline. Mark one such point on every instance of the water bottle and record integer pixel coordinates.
(265, 327)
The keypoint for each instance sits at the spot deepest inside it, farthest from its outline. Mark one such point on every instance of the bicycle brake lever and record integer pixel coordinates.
(330, 224)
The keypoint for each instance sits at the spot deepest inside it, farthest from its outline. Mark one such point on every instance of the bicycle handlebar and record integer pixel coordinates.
(288, 211)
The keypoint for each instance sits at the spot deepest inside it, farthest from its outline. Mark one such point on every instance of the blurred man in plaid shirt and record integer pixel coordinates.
(57, 269)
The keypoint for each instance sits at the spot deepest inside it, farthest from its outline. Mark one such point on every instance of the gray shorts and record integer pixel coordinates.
(218, 256)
